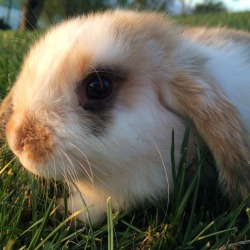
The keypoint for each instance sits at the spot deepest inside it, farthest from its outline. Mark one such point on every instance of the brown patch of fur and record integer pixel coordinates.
(137, 28)
(71, 65)
(32, 138)
(219, 124)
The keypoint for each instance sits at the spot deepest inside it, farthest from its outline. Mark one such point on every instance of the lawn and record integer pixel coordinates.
(230, 20)
(196, 218)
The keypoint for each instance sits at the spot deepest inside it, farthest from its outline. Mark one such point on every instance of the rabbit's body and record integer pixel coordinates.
(98, 97)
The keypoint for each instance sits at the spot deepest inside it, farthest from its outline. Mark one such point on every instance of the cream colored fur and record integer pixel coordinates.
(172, 74)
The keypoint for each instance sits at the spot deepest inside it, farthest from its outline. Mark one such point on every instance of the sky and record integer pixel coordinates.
(233, 5)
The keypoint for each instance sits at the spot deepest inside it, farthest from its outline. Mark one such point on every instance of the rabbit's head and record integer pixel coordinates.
(88, 96)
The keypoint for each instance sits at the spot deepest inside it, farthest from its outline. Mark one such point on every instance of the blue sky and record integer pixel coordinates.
(238, 5)
(234, 5)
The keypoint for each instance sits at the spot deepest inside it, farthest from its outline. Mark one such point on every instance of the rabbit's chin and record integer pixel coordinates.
(45, 169)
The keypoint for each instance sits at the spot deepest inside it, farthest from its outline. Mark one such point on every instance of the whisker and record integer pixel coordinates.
(38, 8)
(16, 40)
(29, 33)
(71, 171)
(74, 175)
(54, 163)
(85, 170)
(164, 167)
(63, 168)
(88, 162)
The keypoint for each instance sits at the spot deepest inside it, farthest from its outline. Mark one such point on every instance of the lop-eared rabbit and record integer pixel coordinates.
(98, 96)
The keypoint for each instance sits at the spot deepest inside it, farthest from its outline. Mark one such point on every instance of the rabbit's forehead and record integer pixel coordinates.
(62, 58)
(88, 46)
(69, 51)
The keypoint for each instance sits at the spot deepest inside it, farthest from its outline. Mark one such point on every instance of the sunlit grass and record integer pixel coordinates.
(229, 20)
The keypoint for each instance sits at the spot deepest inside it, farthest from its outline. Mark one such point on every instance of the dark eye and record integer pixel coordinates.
(99, 87)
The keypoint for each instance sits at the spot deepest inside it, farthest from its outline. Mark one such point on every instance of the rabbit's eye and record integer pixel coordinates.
(99, 87)
(96, 92)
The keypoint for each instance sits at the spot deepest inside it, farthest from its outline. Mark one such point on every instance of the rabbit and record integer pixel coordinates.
(98, 96)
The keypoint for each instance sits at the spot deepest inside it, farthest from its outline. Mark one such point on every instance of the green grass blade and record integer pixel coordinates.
(57, 229)
(110, 225)
(39, 233)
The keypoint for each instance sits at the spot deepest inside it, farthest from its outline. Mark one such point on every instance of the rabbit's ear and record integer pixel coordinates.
(5, 111)
(217, 121)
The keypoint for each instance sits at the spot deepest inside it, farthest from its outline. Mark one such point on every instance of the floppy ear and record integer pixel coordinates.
(5, 111)
(218, 123)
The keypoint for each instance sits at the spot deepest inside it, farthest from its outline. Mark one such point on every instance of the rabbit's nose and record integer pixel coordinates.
(30, 138)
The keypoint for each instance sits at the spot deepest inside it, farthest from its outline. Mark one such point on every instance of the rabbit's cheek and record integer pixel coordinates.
(29, 139)
(96, 123)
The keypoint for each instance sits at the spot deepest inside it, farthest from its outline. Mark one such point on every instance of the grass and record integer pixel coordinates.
(197, 218)
(230, 20)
